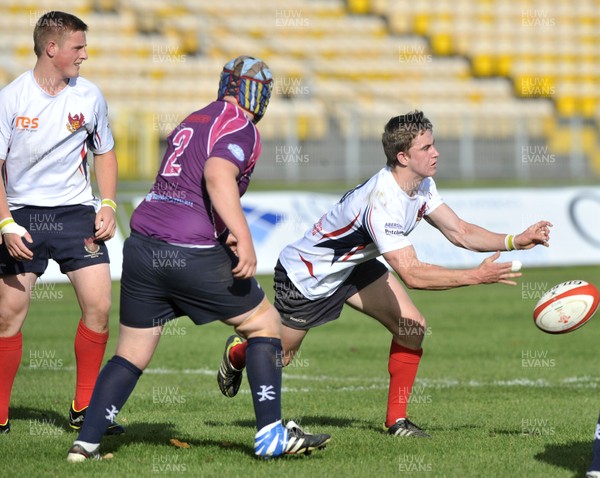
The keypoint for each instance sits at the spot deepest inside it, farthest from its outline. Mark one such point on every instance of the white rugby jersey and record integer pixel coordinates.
(44, 141)
(370, 220)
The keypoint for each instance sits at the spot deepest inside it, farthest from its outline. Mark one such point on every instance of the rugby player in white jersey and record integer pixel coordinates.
(50, 118)
(335, 262)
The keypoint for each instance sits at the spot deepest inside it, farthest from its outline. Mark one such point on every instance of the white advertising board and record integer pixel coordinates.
(278, 218)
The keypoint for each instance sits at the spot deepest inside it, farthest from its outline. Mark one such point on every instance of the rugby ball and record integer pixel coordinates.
(566, 307)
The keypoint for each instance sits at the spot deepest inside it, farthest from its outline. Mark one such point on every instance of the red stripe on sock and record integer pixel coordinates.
(403, 364)
(89, 352)
(11, 351)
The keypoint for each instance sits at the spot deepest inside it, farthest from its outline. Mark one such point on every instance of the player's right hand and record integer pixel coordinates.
(490, 271)
(17, 248)
(231, 242)
(246, 266)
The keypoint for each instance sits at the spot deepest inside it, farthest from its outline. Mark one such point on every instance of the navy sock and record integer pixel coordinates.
(113, 387)
(595, 465)
(263, 367)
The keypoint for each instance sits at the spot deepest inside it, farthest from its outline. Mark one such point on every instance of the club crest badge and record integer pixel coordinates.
(75, 122)
(91, 247)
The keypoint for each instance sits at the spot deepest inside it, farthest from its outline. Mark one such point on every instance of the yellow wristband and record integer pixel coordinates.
(110, 203)
(9, 226)
(509, 242)
(6, 221)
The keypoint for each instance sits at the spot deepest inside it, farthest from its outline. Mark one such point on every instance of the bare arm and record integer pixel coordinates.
(475, 238)
(105, 169)
(421, 275)
(14, 242)
(221, 184)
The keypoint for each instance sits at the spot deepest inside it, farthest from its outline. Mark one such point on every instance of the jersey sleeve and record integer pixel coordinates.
(101, 139)
(238, 148)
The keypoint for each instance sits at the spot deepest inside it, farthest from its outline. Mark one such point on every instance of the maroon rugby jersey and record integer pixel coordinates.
(178, 209)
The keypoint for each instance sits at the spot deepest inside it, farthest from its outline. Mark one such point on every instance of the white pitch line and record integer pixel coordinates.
(376, 383)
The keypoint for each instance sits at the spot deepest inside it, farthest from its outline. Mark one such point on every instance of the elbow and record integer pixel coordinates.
(411, 282)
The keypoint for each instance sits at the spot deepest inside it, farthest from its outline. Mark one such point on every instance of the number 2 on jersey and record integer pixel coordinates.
(180, 141)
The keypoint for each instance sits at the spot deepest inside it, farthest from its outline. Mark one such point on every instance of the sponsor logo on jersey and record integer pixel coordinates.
(27, 123)
(237, 151)
(393, 229)
(91, 247)
(197, 118)
(393, 225)
(75, 122)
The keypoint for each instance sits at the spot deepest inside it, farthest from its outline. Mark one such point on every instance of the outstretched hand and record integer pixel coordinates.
(537, 234)
(490, 271)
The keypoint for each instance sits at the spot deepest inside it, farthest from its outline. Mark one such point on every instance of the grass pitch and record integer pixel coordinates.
(500, 397)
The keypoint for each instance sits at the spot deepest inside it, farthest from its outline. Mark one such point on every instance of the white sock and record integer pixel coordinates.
(267, 428)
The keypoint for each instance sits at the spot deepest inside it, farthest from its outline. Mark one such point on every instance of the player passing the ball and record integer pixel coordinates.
(193, 206)
(49, 118)
(335, 262)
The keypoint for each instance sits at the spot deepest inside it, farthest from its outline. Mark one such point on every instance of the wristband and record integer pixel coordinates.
(110, 203)
(9, 226)
(509, 242)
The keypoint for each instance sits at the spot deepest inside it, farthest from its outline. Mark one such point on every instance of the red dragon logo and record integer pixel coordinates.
(75, 122)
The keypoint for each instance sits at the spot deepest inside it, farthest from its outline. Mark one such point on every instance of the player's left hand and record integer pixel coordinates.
(537, 234)
(105, 224)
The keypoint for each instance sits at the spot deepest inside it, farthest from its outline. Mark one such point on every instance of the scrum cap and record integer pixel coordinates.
(250, 81)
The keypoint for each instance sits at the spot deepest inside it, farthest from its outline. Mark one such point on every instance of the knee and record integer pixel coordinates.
(95, 315)
(264, 322)
(98, 310)
(411, 331)
(11, 318)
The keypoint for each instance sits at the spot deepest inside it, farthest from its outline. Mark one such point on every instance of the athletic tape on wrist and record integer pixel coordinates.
(9, 226)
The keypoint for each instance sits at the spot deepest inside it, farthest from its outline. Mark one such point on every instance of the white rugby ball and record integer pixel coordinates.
(566, 307)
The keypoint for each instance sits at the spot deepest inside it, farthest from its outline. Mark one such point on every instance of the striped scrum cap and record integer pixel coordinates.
(250, 81)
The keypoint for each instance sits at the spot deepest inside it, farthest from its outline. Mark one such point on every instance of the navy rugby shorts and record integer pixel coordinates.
(64, 233)
(161, 281)
(301, 313)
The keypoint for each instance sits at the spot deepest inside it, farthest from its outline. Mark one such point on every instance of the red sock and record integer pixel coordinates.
(89, 352)
(11, 351)
(237, 355)
(402, 365)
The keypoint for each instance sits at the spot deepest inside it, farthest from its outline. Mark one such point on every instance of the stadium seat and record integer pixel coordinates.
(330, 57)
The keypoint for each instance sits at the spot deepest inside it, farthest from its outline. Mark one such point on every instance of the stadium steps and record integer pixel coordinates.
(547, 49)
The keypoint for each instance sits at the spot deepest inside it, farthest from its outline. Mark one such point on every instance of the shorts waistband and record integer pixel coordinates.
(161, 242)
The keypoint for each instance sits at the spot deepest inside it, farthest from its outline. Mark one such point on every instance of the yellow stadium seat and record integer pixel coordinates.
(421, 23)
(483, 65)
(442, 44)
(566, 105)
(588, 106)
(359, 7)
